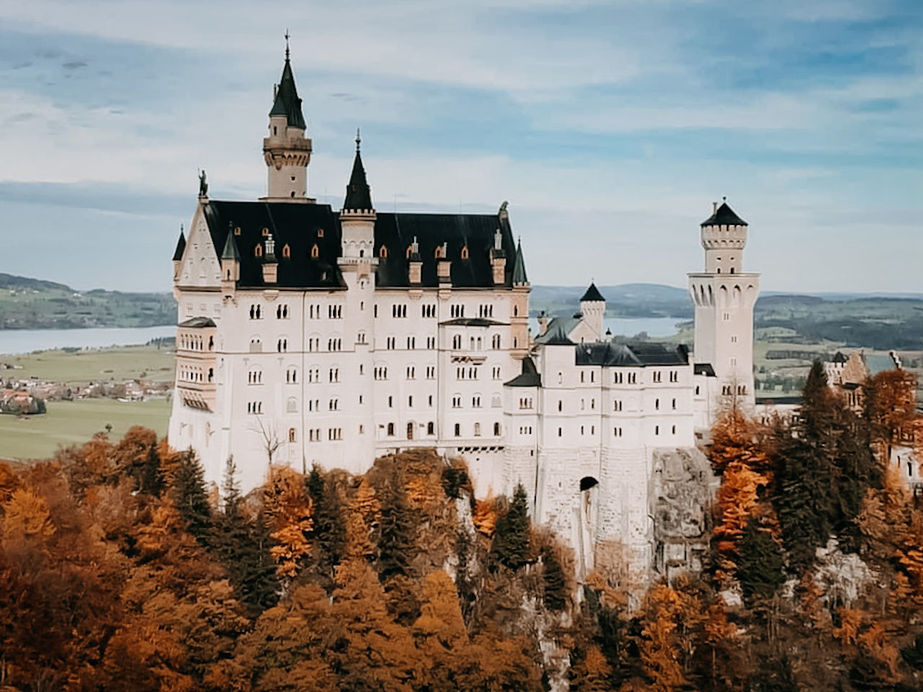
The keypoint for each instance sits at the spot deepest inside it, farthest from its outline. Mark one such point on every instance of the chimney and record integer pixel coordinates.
(415, 267)
(444, 266)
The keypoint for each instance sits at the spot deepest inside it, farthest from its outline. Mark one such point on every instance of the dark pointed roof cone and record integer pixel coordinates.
(592, 295)
(287, 102)
(519, 267)
(180, 246)
(724, 216)
(358, 193)
(230, 249)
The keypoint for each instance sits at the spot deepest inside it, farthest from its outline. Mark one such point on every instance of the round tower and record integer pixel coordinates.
(286, 150)
(724, 296)
(593, 309)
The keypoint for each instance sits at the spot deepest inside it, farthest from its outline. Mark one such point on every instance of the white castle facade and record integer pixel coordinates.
(309, 336)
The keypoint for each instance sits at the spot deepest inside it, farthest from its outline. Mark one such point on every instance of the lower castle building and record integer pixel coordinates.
(312, 336)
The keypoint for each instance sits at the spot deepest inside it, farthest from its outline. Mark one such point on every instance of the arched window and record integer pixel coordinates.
(496, 430)
(383, 252)
(265, 232)
(286, 251)
(390, 429)
(320, 232)
(430, 428)
(410, 431)
(258, 250)
(315, 251)
(464, 252)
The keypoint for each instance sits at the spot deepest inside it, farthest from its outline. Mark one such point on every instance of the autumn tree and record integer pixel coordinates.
(136, 456)
(289, 507)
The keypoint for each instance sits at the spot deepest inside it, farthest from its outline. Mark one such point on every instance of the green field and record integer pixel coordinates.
(75, 422)
(83, 367)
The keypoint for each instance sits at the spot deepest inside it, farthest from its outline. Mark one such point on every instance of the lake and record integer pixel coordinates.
(28, 340)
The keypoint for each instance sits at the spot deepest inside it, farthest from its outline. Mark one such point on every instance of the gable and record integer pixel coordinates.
(200, 267)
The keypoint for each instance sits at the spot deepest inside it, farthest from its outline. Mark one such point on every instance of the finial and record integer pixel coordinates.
(287, 36)
(724, 198)
(358, 140)
(181, 227)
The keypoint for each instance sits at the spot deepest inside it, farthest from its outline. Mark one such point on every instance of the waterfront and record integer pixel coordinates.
(29, 340)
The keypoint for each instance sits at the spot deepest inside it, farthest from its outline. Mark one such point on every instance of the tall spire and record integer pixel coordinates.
(180, 245)
(358, 193)
(230, 248)
(286, 100)
(519, 267)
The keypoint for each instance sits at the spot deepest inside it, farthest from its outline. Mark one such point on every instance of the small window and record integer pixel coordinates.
(315, 251)
(258, 251)
(236, 230)
(383, 252)
(265, 232)
(320, 232)
(464, 252)
(286, 251)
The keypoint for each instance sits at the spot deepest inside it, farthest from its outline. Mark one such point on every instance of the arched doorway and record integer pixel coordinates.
(587, 514)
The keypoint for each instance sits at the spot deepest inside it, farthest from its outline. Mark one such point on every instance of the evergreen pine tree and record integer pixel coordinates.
(190, 497)
(237, 544)
(555, 585)
(806, 473)
(511, 538)
(329, 522)
(760, 567)
(395, 542)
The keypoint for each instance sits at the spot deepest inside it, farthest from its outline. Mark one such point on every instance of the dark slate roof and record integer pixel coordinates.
(180, 246)
(592, 295)
(704, 369)
(558, 324)
(297, 226)
(724, 216)
(197, 322)
(557, 336)
(472, 322)
(529, 376)
(638, 354)
(519, 267)
(839, 358)
(475, 231)
(358, 193)
(287, 102)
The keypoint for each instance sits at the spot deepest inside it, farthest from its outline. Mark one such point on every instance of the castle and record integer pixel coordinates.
(307, 335)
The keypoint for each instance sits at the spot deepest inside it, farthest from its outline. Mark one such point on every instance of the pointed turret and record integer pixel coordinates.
(358, 193)
(180, 246)
(357, 217)
(287, 102)
(230, 248)
(178, 253)
(286, 150)
(519, 268)
(593, 309)
(230, 264)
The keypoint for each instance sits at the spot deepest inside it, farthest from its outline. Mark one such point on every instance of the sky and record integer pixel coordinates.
(609, 126)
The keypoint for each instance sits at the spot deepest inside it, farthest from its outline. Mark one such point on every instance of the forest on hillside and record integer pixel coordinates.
(121, 570)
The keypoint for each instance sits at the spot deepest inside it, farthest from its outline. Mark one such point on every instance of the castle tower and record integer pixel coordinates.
(286, 150)
(519, 321)
(724, 296)
(593, 308)
(357, 262)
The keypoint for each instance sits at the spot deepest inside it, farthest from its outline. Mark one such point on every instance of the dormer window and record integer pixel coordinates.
(409, 248)
(320, 232)
(464, 252)
(258, 251)
(438, 253)
(236, 230)
(265, 232)
(383, 252)
(315, 251)
(286, 251)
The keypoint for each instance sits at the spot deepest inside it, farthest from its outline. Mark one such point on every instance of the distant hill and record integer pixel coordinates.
(36, 304)
(873, 320)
